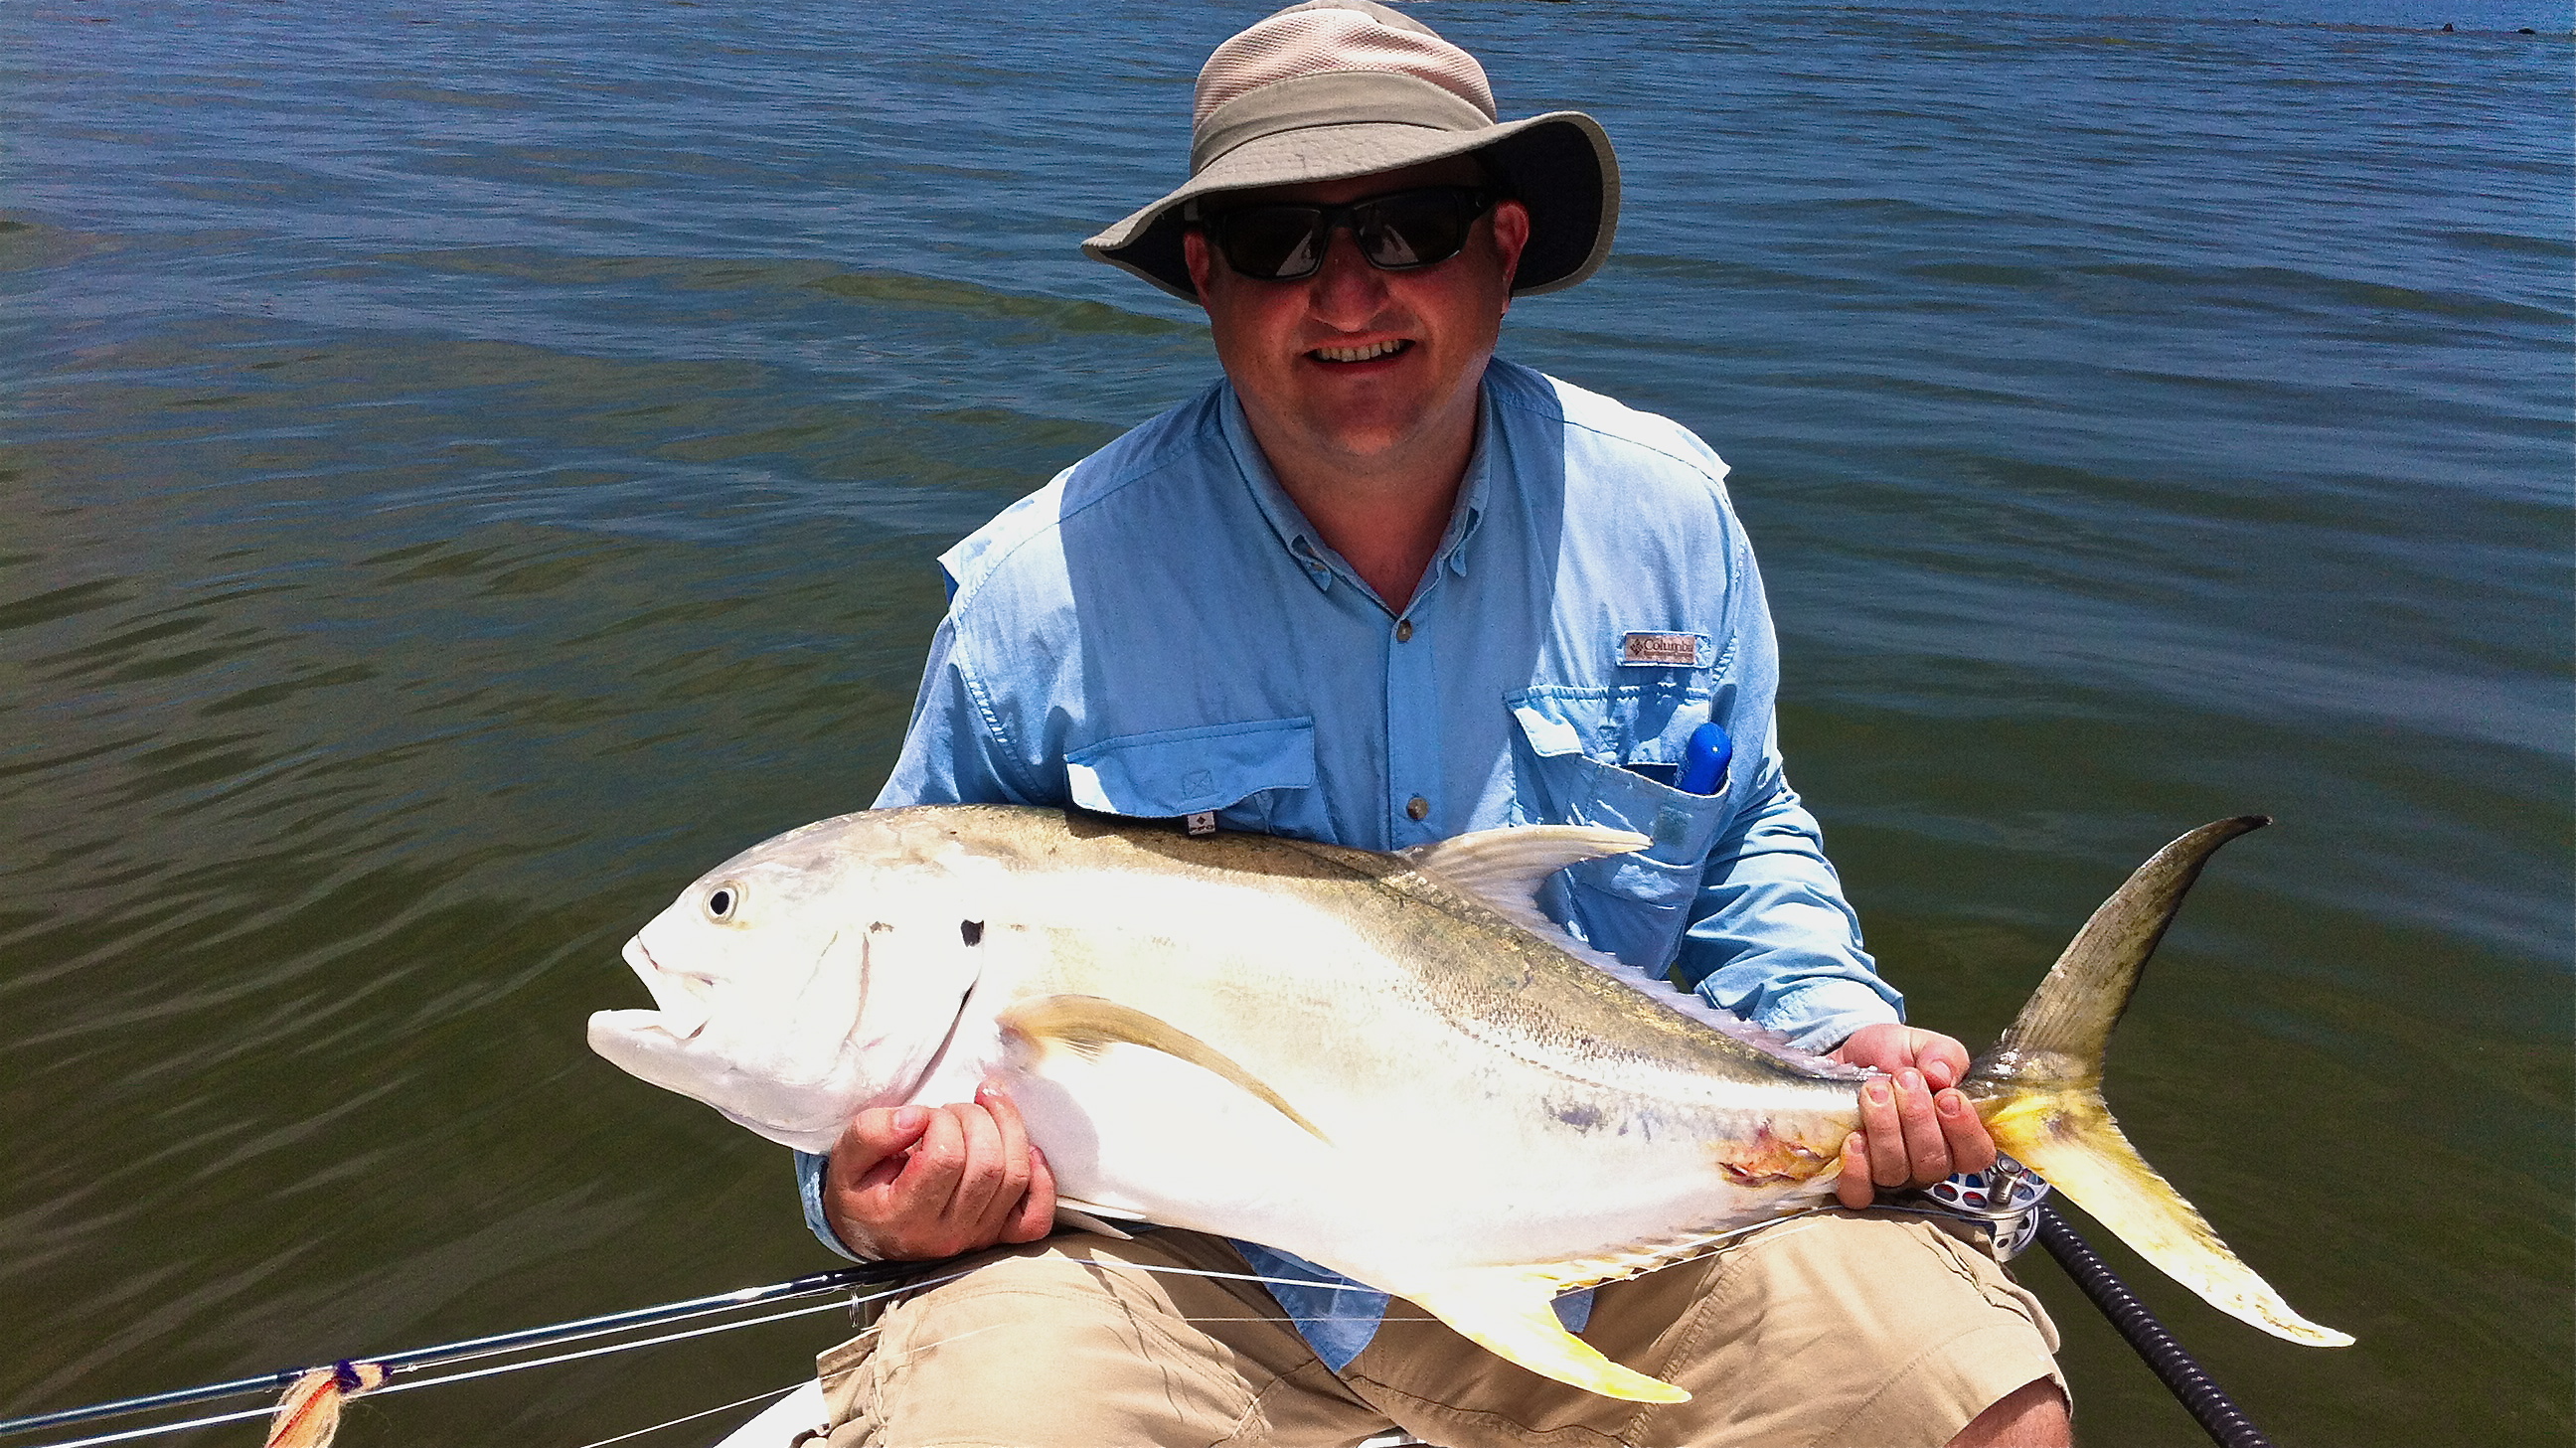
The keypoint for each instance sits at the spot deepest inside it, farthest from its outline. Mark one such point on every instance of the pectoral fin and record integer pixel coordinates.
(1091, 1024)
(1508, 1312)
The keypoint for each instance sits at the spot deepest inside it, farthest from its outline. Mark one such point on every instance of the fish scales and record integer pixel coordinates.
(1480, 967)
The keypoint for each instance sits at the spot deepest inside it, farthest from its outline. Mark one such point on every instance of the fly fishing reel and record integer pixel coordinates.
(2001, 1197)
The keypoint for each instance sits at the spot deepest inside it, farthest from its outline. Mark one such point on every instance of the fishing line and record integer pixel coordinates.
(158, 1429)
(693, 1417)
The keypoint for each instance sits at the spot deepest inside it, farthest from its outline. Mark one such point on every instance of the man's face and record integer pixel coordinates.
(1354, 361)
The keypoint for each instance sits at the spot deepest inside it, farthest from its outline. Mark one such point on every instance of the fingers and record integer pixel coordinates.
(981, 1170)
(1972, 1147)
(1927, 1151)
(1853, 1188)
(1941, 1059)
(1911, 1135)
(928, 1185)
(1036, 1215)
(869, 1156)
(917, 1182)
(1007, 1166)
(1883, 1132)
(874, 1135)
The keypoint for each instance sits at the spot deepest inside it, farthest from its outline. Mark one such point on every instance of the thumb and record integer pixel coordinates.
(1941, 1059)
(875, 1134)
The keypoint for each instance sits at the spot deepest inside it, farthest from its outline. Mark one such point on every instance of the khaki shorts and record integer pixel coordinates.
(1876, 1330)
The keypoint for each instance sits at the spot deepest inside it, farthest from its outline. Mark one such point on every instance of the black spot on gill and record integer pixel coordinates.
(971, 931)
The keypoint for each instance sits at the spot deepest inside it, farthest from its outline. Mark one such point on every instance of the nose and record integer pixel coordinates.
(1346, 293)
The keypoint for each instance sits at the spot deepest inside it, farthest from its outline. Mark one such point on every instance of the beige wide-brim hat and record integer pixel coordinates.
(1338, 88)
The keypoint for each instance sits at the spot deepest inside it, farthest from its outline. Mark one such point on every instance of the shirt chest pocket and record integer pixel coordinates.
(1255, 776)
(1571, 752)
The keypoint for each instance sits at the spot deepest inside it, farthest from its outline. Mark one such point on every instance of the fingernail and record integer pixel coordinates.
(908, 1118)
(1909, 1079)
(1950, 1103)
(1877, 1093)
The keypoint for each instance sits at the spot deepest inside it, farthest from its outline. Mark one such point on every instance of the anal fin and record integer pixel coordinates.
(1507, 1311)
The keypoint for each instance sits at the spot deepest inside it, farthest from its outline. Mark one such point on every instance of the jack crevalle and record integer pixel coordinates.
(1389, 1064)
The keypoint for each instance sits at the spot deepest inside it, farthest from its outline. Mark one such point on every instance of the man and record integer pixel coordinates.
(1378, 588)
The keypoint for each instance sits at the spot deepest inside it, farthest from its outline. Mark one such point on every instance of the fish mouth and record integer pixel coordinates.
(682, 998)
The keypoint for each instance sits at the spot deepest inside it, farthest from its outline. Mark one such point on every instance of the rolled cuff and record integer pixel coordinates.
(1822, 1014)
(809, 1189)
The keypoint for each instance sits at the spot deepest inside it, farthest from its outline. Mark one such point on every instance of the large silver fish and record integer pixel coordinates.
(1389, 1064)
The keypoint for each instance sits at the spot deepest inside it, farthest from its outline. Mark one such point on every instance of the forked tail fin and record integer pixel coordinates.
(2040, 1092)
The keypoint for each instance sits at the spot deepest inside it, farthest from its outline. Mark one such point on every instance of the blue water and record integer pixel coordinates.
(471, 467)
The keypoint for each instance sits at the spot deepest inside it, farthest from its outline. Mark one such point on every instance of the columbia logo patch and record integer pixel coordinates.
(1661, 650)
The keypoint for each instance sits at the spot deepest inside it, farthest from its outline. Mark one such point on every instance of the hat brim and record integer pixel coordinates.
(1559, 165)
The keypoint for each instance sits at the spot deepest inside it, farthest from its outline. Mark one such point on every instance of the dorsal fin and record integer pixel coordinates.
(1505, 867)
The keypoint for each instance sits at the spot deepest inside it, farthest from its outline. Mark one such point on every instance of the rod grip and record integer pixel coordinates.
(2173, 1365)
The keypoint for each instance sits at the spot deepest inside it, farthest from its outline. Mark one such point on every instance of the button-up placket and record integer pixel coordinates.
(1416, 773)
(1412, 797)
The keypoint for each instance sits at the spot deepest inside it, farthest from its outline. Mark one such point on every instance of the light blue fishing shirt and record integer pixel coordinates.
(1159, 632)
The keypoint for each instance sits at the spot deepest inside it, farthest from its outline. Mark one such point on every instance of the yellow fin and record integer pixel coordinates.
(1090, 1024)
(2070, 1138)
(2039, 1089)
(1507, 1311)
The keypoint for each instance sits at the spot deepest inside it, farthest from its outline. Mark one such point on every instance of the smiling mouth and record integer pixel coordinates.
(1369, 353)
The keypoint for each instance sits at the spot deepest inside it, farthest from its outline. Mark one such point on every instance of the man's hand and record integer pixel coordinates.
(910, 1183)
(1914, 1128)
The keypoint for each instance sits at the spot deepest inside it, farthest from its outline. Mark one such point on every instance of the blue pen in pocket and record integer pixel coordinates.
(1704, 761)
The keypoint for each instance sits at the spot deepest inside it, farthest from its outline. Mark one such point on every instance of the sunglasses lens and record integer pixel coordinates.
(1274, 242)
(1412, 230)
(1408, 229)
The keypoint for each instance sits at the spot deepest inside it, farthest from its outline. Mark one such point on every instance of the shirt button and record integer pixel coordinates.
(1404, 630)
(1417, 808)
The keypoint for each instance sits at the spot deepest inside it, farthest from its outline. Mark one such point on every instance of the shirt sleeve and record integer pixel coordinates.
(953, 752)
(1772, 938)
(809, 1189)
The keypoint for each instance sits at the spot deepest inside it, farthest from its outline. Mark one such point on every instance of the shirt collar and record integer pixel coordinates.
(1289, 524)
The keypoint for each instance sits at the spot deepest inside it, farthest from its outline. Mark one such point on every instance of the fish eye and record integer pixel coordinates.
(724, 901)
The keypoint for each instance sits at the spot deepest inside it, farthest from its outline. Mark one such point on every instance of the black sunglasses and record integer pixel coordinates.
(1399, 231)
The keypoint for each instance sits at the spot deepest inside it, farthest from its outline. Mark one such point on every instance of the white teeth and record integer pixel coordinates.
(1359, 354)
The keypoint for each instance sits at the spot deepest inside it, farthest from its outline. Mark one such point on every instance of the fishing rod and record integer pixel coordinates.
(2174, 1366)
(2007, 1201)
(415, 1359)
